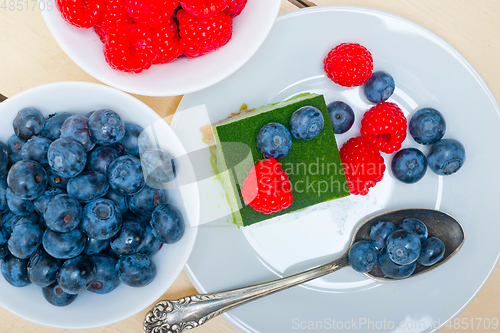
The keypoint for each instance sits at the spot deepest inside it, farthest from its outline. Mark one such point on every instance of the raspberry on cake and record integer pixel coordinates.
(204, 8)
(349, 64)
(80, 13)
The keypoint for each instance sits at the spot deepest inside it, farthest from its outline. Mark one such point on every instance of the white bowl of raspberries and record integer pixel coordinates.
(161, 47)
(94, 226)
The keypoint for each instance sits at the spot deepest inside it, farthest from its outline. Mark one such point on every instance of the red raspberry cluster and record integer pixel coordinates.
(139, 33)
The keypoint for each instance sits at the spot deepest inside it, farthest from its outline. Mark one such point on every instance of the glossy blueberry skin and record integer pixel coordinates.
(56, 296)
(136, 270)
(125, 175)
(15, 146)
(101, 219)
(17, 205)
(101, 157)
(76, 127)
(52, 128)
(403, 247)
(446, 157)
(380, 232)
(427, 126)
(133, 142)
(362, 256)
(43, 269)
(167, 224)
(65, 245)
(150, 244)
(128, 239)
(88, 186)
(341, 116)
(274, 140)
(26, 237)
(76, 274)
(379, 87)
(28, 122)
(63, 213)
(145, 201)
(158, 166)
(8, 220)
(416, 226)
(106, 278)
(35, 149)
(4, 238)
(27, 179)
(3, 191)
(392, 270)
(67, 157)
(56, 180)
(4, 156)
(42, 201)
(95, 246)
(15, 271)
(409, 165)
(119, 199)
(106, 127)
(432, 251)
(306, 123)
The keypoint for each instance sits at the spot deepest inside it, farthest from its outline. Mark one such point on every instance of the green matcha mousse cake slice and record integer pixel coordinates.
(314, 167)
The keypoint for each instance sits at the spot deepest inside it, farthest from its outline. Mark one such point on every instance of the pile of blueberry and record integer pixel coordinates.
(397, 251)
(78, 211)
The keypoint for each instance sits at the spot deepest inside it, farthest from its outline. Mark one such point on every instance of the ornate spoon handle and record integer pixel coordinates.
(192, 311)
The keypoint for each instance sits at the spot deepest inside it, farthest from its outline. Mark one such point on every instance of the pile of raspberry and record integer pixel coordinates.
(139, 33)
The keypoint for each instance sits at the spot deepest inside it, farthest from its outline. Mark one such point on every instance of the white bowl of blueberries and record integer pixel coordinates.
(94, 226)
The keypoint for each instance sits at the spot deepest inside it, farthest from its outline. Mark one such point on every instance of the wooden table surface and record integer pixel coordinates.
(30, 57)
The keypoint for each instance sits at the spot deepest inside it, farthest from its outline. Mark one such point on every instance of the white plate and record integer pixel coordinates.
(428, 73)
(181, 76)
(89, 309)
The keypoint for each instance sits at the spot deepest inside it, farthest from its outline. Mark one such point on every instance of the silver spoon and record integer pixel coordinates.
(192, 311)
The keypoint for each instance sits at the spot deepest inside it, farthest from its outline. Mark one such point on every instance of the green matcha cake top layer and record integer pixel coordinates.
(313, 167)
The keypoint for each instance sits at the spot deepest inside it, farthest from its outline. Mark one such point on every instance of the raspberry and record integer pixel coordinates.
(200, 36)
(151, 12)
(80, 13)
(364, 166)
(113, 16)
(203, 8)
(130, 48)
(234, 7)
(349, 64)
(168, 45)
(267, 188)
(384, 127)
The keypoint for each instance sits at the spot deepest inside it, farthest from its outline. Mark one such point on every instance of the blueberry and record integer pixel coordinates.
(17, 205)
(15, 271)
(341, 116)
(28, 122)
(52, 128)
(4, 238)
(167, 223)
(35, 149)
(8, 220)
(101, 157)
(15, 146)
(77, 128)
(67, 157)
(106, 127)
(65, 245)
(125, 175)
(4, 156)
(88, 186)
(56, 180)
(95, 246)
(274, 140)
(380, 232)
(101, 219)
(43, 269)
(403, 247)
(427, 126)
(379, 87)
(415, 226)
(129, 238)
(150, 244)
(158, 166)
(56, 296)
(409, 165)
(392, 270)
(4, 207)
(145, 201)
(76, 274)
(133, 142)
(26, 237)
(432, 251)
(119, 199)
(306, 123)
(63, 213)
(42, 201)
(136, 270)
(106, 278)
(27, 179)
(446, 157)
(362, 256)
